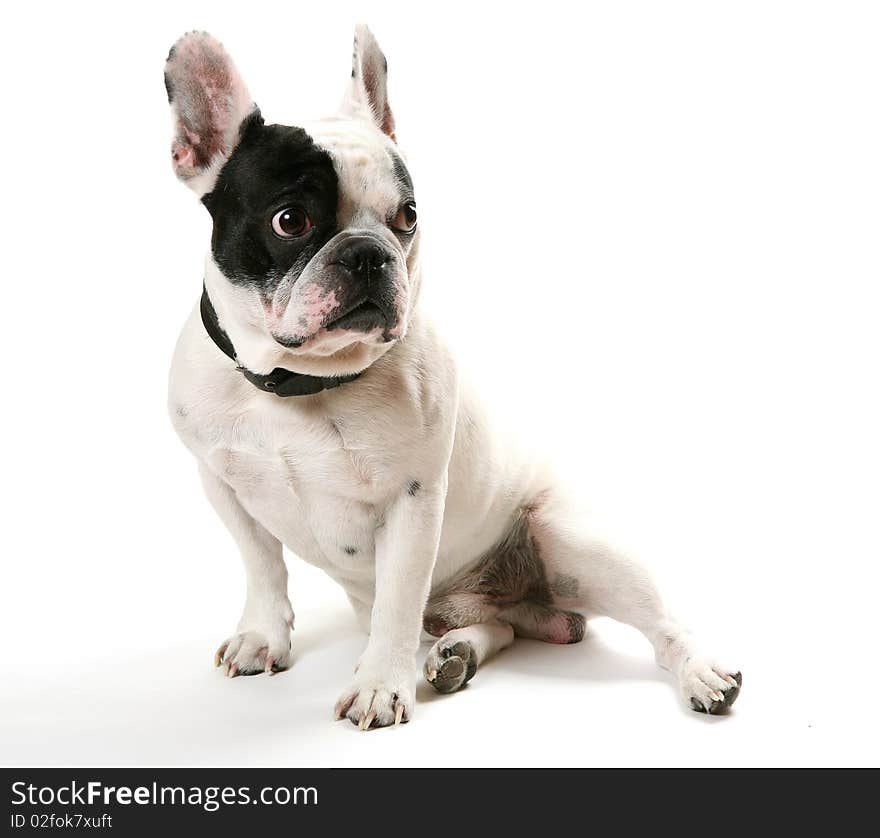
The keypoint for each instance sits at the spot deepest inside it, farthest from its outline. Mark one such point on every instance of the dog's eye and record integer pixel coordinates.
(406, 218)
(291, 222)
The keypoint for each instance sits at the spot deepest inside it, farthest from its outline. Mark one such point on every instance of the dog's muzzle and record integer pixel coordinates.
(366, 267)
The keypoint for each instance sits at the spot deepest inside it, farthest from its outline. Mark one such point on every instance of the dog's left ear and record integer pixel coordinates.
(367, 96)
(209, 102)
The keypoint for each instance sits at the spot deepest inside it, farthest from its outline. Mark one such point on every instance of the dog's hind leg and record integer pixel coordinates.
(586, 571)
(454, 658)
(546, 623)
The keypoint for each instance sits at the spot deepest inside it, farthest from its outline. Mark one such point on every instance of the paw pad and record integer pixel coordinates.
(451, 667)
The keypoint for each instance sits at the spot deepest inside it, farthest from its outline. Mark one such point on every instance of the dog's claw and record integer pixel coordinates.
(372, 708)
(342, 708)
(254, 652)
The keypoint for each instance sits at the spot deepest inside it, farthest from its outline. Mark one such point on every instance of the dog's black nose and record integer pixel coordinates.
(363, 256)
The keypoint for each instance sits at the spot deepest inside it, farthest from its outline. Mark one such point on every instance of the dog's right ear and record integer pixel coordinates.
(209, 102)
(367, 96)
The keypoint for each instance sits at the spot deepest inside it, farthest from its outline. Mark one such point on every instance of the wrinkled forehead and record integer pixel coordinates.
(372, 175)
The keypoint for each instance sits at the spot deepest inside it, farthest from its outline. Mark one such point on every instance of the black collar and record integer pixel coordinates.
(280, 382)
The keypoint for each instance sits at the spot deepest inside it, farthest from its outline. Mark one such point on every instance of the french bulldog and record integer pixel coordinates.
(327, 415)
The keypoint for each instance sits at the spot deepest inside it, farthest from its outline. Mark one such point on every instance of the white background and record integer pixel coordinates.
(649, 231)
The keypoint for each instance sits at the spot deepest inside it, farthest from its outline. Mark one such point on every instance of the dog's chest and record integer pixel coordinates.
(317, 483)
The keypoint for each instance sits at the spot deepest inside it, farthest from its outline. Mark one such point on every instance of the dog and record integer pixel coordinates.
(327, 415)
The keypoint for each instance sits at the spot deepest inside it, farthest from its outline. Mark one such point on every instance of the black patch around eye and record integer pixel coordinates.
(273, 166)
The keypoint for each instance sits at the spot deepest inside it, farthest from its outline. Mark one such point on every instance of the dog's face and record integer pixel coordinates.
(315, 238)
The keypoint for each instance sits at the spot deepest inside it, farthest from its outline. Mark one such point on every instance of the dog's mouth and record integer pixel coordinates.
(363, 317)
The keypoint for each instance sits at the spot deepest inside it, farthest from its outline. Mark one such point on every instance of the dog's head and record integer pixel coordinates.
(314, 244)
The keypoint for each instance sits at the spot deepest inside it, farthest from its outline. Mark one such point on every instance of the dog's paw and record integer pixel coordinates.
(450, 664)
(708, 687)
(370, 705)
(252, 652)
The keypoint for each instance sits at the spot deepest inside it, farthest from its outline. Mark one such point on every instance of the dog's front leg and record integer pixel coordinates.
(383, 692)
(261, 643)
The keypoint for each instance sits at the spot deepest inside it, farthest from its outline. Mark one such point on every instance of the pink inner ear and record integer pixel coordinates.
(376, 88)
(388, 123)
(210, 101)
(184, 158)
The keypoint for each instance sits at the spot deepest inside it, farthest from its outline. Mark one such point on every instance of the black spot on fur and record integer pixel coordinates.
(413, 488)
(350, 550)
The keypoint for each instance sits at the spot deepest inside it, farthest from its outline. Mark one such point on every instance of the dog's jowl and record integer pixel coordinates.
(326, 414)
